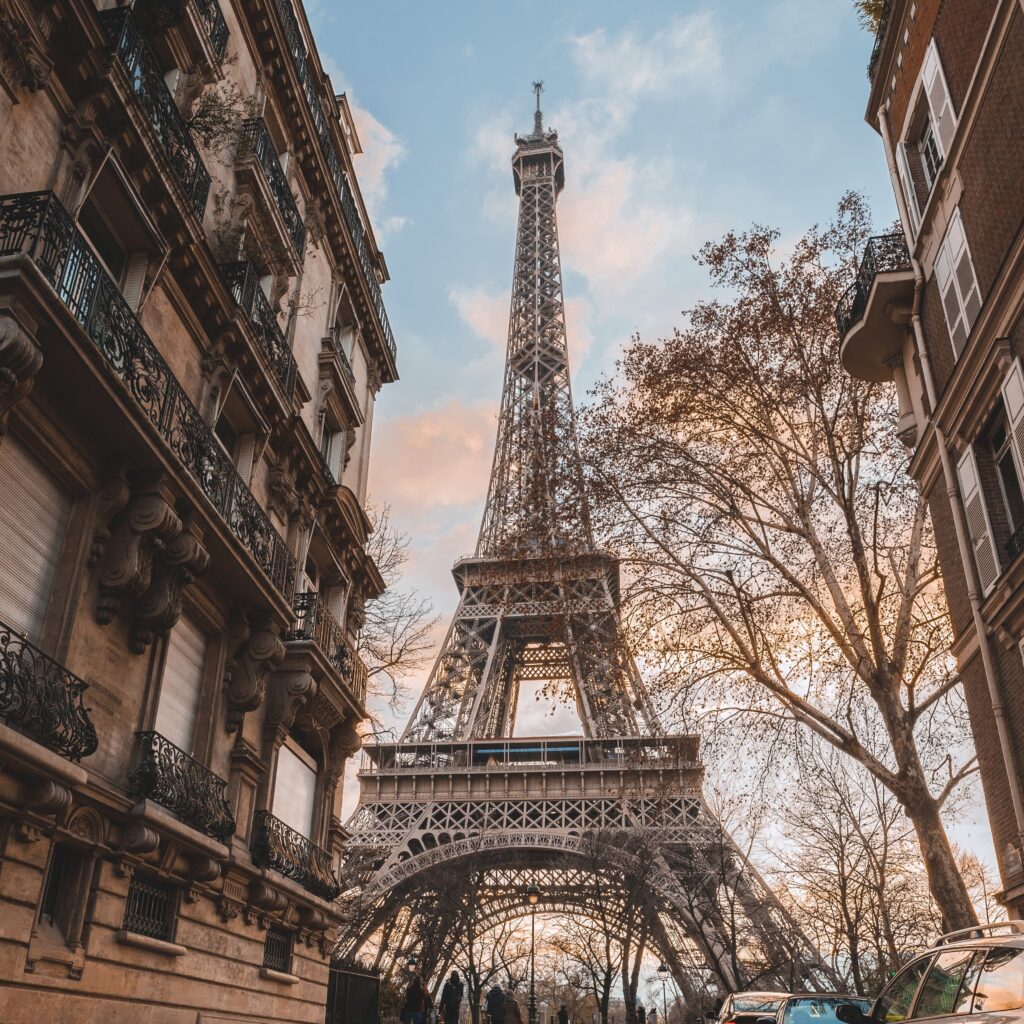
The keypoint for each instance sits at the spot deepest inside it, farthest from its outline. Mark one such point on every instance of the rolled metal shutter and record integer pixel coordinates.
(181, 685)
(295, 788)
(34, 511)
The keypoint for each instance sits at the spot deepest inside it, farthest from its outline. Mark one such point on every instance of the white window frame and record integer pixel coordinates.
(957, 280)
(979, 526)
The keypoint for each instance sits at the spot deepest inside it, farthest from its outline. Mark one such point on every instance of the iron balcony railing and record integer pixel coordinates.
(883, 254)
(148, 83)
(35, 223)
(300, 61)
(244, 283)
(275, 845)
(876, 49)
(216, 27)
(314, 622)
(255, 141)
(1015, 545)
(42, 699)
(168, 776)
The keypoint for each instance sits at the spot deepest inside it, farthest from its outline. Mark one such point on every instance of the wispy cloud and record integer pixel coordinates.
(484, 312)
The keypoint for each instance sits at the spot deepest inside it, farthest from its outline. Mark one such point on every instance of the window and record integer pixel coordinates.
(894, 1003)
(1006, 470)
(181, 684)
(34, 511)
(277, 950)
(931, 158)
(958, 284)
(150, 908)
(236, 428)
(295, 787)
(950, 984)
(111, 221)
(1001, 981)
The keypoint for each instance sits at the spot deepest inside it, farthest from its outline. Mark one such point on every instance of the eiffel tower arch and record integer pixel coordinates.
(540, 604)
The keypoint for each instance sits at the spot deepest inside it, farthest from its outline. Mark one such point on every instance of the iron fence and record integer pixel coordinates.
(255, 141)
(177, 781)
(277, 950)
(244, 283)
(42, 699)
(275, 845)
(147, 82)
(216, 27)
(36, 224)
(150, 908)
(315, 622)
(353, 995)
(883, 254)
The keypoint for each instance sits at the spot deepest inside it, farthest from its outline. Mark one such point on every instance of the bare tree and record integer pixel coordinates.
(397, 635)
(783, 561)
(581, 941)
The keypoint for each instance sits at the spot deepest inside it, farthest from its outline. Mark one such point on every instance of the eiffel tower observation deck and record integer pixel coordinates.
(539, 604)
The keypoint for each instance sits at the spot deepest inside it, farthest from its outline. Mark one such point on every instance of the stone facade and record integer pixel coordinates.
(942, 317)
(192, 338)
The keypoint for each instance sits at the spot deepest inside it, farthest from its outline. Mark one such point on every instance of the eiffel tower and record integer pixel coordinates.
(539, 604)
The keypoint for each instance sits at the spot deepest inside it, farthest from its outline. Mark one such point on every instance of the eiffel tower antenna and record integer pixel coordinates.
(539, 605)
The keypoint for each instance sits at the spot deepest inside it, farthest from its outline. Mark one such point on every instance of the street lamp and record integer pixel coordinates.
(533, 895)
(663, 973)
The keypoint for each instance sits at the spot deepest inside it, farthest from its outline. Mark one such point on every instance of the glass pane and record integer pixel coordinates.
(940, 992)
(819, 1010)
(1001, 984)
(294, 791)
(894, 1003)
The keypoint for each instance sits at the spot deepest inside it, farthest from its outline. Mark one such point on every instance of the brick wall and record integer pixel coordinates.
(960, 30)
(918, 31)
(992, 164)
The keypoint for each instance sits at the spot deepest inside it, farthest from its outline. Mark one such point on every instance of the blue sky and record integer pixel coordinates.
(679, 121)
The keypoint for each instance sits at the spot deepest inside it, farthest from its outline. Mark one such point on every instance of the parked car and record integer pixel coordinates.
(972, 972)
(747, 1007)
(814, 1008)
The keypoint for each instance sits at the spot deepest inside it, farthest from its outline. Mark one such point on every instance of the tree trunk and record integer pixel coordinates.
(944, 880)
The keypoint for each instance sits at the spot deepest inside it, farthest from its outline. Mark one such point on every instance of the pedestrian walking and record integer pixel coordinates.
(563, 1015)
(513, 1015)
(451, 998)
(641, 1015)
(417, 1002)
(495, 1005)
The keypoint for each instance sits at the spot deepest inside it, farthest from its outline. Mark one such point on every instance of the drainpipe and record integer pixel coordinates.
(953, 491)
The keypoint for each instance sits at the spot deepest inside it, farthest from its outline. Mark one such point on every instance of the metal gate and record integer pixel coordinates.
(353, 995)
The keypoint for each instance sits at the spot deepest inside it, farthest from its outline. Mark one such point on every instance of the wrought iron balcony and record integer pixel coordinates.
(275, 845)
(300, 61)
(255, 141)
(148, 83)
(176, 780)
(343, 360)
(216, 27)
(35, 223)
(876, 49)
(314, 622)
(42, 699)
(1015, 545)
(883, 254)
(244, 283)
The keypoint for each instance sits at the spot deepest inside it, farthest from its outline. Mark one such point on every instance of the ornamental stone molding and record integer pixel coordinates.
(24, 63)
(257, 650)
(147, 558)
(291, 689)
(20, 361)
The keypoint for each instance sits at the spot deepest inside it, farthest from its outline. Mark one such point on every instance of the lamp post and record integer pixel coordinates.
(663, 974)
(533, 895)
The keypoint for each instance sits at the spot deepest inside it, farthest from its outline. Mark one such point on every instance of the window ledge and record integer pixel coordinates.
(152, 945)
(278, 976)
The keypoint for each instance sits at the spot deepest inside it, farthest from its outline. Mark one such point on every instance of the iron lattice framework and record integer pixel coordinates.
(539, 603)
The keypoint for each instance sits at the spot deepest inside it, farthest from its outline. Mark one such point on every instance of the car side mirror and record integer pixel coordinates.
(850, 1014)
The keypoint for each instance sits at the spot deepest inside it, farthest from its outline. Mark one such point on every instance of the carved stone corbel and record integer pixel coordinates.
(350, 440)
(291, 688)
(147, 523)
(24, 63)
(283, 497)
(257, 650)
(159, 608)
(112, 499)
(20, 361)
(44, 796)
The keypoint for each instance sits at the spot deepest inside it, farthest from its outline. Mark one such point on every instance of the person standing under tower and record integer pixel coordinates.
(451, 998)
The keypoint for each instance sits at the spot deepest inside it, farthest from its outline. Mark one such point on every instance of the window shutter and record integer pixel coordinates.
(958, 283)
(34, 511)
(181, 684)
(978, 525)
(909, 192)
(295, 788)
(135, 278)
(939, 102)
(246, 456)
(1013, 400)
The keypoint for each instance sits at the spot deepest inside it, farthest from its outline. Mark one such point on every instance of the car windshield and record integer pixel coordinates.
(819, 1011)
(756, 1004)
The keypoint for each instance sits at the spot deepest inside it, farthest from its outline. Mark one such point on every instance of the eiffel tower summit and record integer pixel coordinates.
(539, 604)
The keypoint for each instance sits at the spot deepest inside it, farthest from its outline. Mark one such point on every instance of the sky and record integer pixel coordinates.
(679, 120)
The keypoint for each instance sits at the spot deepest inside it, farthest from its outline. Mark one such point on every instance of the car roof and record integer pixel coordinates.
(826, 995)
(770, 995)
